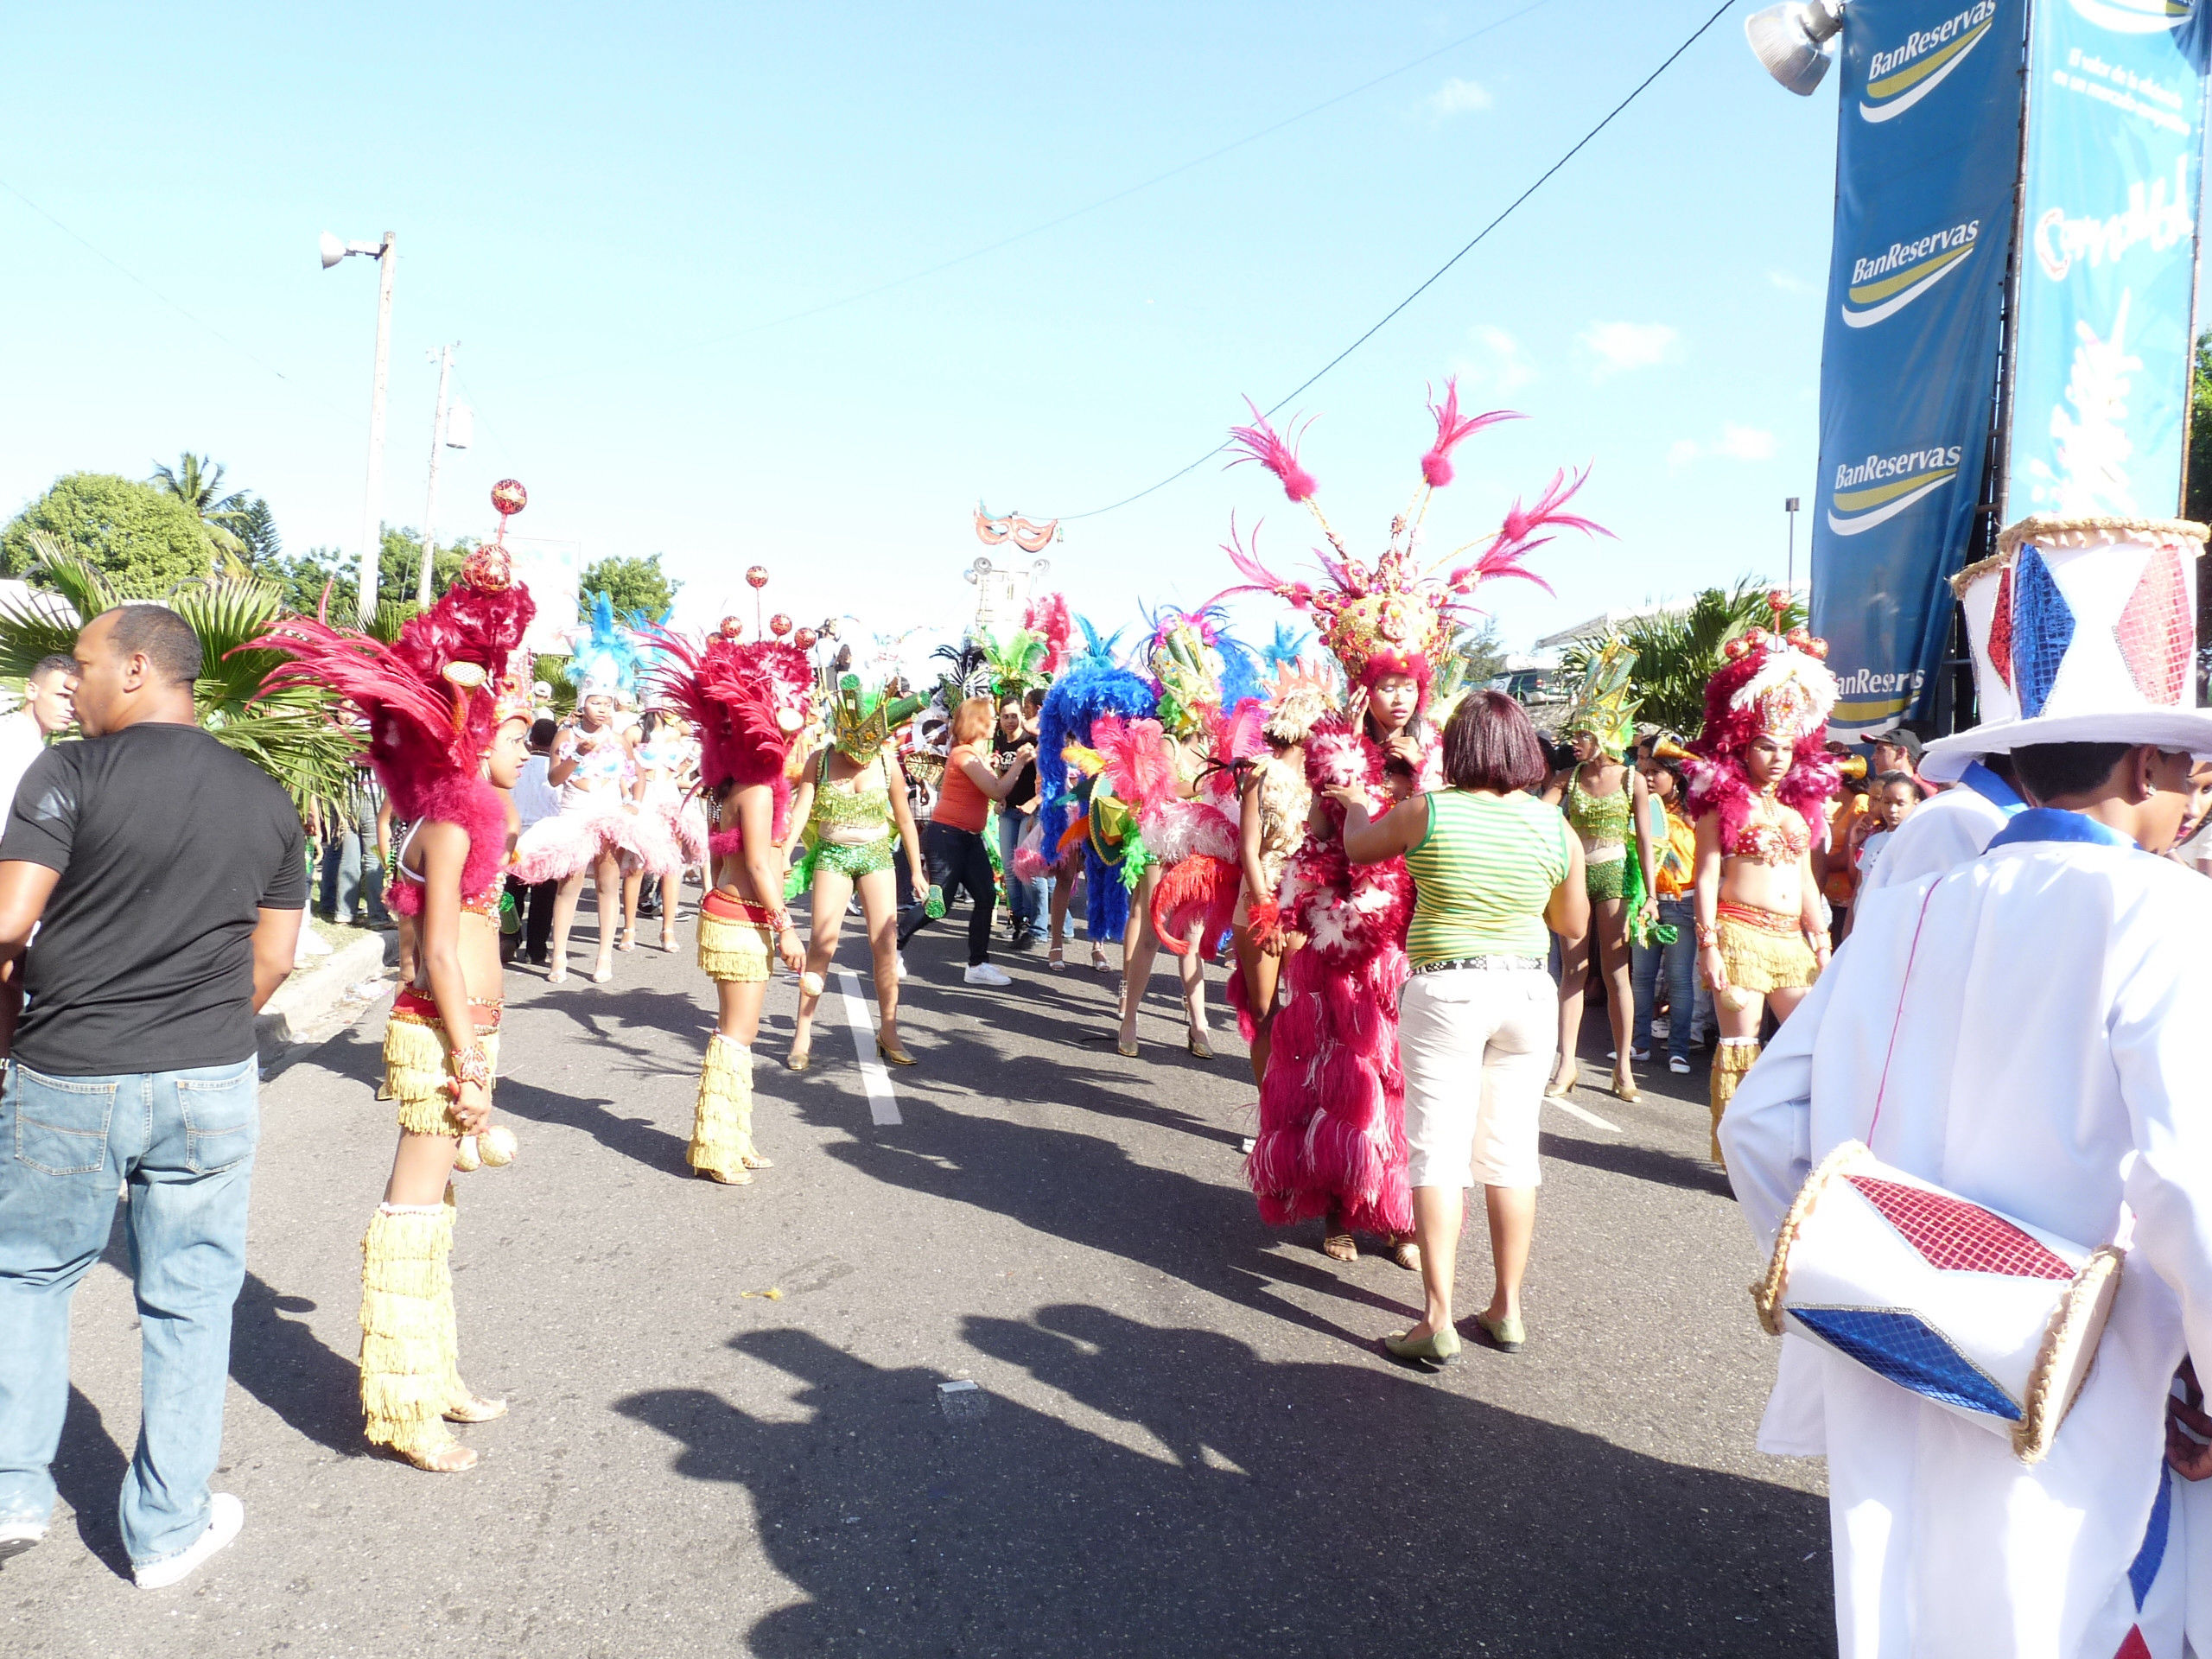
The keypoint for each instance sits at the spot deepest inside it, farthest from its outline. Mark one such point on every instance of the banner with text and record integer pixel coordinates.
(2109, 268)
(1926, 153)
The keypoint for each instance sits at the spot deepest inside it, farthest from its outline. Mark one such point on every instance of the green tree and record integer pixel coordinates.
(256, 529)
(631, 585)
(1676, 652)
(2197, 503)
(130, 532)
(293, 734)
(199, 484)
(302, 577)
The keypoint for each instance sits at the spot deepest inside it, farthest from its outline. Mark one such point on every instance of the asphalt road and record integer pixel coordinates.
(729, 1432)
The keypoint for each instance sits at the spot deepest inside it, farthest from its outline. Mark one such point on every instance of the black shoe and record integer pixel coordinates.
(652, 909)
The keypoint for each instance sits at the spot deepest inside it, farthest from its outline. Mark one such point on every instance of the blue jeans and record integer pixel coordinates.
(1680, 961)
(184, 1141)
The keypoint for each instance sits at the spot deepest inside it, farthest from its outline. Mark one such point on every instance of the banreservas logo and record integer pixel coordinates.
(1876, 490)
(1883, 284)
(1900, 77)
(2136, 16)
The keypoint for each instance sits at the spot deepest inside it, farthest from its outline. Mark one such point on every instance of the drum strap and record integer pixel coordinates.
(1903, 991)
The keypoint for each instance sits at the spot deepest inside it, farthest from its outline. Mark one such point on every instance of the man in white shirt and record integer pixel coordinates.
(2031, 1028)
(1944, 832)
(47, 709)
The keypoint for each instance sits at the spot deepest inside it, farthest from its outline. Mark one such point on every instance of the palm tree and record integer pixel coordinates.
(197, 484)
(1676, 652)
(294, 734)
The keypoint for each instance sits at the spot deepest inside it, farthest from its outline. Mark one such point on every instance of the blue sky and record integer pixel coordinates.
(614, 218)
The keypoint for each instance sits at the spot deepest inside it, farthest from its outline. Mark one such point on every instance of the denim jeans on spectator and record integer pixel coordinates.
(351, 885)
(1025, 898)
(184, 1141)
(1679, 962)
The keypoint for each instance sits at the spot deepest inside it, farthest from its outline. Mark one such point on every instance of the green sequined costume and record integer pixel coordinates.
(1602, 820)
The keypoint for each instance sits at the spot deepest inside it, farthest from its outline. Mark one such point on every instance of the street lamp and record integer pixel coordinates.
(386, 254)
(1796, 41)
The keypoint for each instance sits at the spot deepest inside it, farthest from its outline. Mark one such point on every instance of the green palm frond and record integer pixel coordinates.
(294, 735)
(1676, 654)
(392, 614)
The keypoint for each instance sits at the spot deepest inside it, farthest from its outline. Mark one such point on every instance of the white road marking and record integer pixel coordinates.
(1591, 1118)
(882, 1098)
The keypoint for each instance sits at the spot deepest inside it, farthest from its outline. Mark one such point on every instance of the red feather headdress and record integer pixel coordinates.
(433, 700)
(745, 702)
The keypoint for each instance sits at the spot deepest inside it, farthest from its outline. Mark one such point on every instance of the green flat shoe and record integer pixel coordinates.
(1507, 1335)
(1437, 1347)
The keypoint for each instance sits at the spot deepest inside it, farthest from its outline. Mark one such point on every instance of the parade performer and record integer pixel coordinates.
(747, 701)
(1095, 688)
(1180, 862)
(852, 812)
(1986, 1122)
(1332, 1140)
(446, 719)
(1273, 804)
(1760, 779)
(599, 831)
(1604, 799)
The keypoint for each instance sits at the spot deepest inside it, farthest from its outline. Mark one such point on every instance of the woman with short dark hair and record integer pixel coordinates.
(1493, 868)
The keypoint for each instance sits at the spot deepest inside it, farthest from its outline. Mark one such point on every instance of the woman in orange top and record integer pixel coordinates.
(952, 844)
(1674, 847)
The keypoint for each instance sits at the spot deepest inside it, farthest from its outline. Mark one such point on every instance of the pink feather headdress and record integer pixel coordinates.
(1393, 617)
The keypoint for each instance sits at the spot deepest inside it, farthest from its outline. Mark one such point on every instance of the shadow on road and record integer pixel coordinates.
(88, 1468)
(1278, 1508)
(284, 1365)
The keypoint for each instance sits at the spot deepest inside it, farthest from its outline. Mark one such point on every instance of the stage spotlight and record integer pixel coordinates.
(1795, 40)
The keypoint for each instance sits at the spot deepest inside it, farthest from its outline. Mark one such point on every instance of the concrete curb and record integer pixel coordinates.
(300, 1010)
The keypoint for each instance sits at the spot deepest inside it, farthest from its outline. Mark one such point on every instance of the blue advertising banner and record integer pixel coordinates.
(2108, 261)
(1926, 156)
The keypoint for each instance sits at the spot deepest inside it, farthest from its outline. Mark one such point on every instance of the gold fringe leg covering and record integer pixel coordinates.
(721, 1128)
(409, 1352)
(1730, 1059)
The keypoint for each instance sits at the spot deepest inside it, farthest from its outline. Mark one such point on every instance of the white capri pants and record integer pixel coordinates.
(1475, 1046)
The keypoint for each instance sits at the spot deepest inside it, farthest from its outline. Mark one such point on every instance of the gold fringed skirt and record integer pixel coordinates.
(416, 1052)
(735, 942)
(721, 1126)
(1763, 950)
(411, 1359)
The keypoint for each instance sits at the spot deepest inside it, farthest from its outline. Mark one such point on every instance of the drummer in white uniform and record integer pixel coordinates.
(2027, 1031)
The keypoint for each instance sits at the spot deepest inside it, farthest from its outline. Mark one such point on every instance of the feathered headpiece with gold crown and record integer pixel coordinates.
(747, 701)
(434, 698)
(1393, 617)
(1602, 705)
(1772, 683)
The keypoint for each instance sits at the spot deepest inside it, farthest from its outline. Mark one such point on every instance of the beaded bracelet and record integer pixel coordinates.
(469, 1065)
(1708, 937)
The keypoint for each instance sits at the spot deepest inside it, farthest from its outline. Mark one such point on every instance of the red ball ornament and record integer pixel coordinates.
(779, 625)
(732, 628)
(508, 498)
(805, 639)
(757, 578)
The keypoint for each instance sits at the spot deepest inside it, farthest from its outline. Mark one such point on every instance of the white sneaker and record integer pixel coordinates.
(17, 1536)
(984, 974)
(1660, 1026)
(900, 962)
(225, 1514)
(1680, 1068)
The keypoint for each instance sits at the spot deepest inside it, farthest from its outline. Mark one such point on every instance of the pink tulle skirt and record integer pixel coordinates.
(577, 838)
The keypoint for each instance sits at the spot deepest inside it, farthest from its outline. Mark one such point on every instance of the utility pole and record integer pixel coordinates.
(1790, 579)
(372, 505)
(444, 356)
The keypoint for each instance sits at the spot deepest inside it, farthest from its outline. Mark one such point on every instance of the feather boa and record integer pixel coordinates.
(1201, 892)
(1332, 1133)
(577, 838)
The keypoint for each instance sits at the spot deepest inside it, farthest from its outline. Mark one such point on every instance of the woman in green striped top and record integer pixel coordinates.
(1496, 873)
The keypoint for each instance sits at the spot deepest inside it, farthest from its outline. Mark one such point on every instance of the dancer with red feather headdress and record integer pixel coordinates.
(447, 714)
(1332, 1140)
(747, 701)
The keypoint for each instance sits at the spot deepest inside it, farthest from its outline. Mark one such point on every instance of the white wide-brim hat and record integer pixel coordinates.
(2083, 630)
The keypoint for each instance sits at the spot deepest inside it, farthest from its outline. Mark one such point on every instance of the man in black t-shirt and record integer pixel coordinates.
(165, 875)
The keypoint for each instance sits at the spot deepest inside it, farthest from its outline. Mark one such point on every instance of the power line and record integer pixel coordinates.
(1541, 180)
(117, 265)
(1122, 194)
